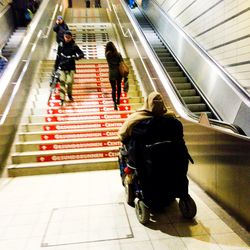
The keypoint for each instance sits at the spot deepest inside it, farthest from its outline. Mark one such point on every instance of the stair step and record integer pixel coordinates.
(63, 155)
(181, 86)
(64, 134)
(189, 92)
(62, 166)
(67, 109)
(197, 107)
(192, 99)
(68, 125)
(79, 117)
(67, 144)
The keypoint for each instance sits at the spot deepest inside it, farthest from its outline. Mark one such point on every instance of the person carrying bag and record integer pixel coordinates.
(114, 60)
(124, 71)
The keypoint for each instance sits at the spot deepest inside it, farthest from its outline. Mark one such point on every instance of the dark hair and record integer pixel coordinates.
(110, 47)
(67, 32)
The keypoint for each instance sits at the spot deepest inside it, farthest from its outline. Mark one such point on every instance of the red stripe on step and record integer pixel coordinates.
(56, 103)
(91, 75)
(85, 117)
(76, 145)
(83, 126)
(86, 110)
(81, 156)
(91, 70)
(93, 79)
(78, 135)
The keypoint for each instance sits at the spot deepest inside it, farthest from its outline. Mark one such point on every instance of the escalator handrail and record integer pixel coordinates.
(136, 47)
(19, 81)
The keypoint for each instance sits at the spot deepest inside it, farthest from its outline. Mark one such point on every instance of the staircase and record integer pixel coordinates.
(80, 136)
(14, 42)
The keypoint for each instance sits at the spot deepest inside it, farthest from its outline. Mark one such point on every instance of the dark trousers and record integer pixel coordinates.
(97, 3)
(87, 4)
(116, 87)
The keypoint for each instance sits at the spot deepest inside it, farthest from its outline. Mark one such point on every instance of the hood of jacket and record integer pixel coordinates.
(154, 104)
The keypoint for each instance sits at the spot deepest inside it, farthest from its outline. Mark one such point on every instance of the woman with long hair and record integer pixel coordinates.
(114, 58)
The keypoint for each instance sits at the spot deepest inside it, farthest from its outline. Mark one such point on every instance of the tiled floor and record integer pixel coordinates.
(88, 211)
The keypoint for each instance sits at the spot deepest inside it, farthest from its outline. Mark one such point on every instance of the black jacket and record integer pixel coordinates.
(67, 54)
(60, 29)
(113, 62)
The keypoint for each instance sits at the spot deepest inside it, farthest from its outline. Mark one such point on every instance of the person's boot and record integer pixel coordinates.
(115, 106)
(118, 101)
(71, 98)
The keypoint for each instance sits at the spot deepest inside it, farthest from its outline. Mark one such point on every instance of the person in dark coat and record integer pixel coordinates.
(19, 9)
(156, 148)
(114, 58)
(60, 27)
(68, 52)
(97, 3)
(87, 3)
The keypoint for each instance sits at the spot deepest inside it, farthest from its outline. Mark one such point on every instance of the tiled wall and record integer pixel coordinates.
(221, 27)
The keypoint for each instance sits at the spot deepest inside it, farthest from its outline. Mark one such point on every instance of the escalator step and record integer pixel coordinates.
(192, 99)
(176, 74)
(168, 64)
(173, 69)
(197, 107)
(189, 92)
(182, 79)
(181, 86)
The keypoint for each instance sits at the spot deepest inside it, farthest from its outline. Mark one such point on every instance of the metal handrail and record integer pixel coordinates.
(19, 80)
(118, 19)
(136, 47)
(49, 27)
(142, 61)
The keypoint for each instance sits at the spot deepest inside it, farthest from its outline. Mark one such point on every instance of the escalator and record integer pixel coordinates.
(188, 93)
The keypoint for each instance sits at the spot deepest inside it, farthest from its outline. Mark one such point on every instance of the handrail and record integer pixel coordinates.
(118, 19)
(19, 80)
(141, 58)
(49, 27)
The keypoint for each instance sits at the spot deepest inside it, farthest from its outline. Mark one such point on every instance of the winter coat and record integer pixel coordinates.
(153, 106)
(113, 62)
(67, 54)
(60, 30)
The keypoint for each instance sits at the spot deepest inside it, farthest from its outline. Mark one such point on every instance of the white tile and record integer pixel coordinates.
(187, 229)
(24, 221)
(203, 242)
(169, 244)
(139, 245)
(230, 241)
(216, 226)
